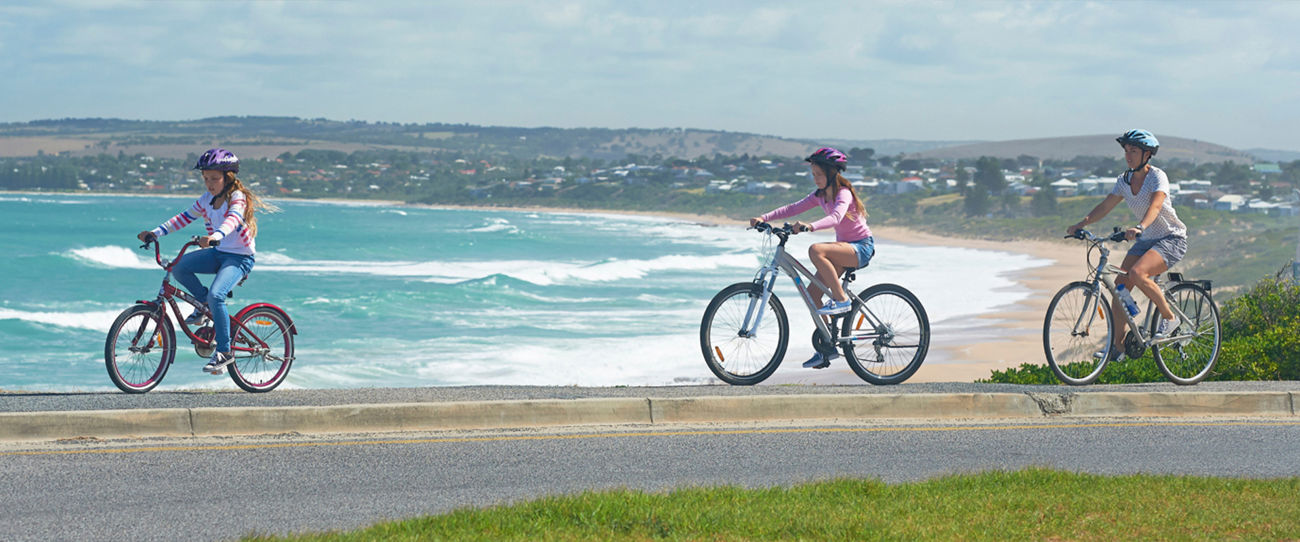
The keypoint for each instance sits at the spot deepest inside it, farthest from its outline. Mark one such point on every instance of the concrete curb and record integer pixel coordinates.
(181, 422)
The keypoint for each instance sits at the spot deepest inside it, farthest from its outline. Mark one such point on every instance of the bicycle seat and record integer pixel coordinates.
(848, 275)
(231, 293)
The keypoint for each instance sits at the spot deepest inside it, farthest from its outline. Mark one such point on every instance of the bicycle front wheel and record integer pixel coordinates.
(1189, 358)
(266, 332)
(140, 347)
(888, 334)
(734, 350)
(1077, 333)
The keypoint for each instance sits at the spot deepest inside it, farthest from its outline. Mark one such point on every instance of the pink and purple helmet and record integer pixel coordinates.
(830, 157)
(219, 159)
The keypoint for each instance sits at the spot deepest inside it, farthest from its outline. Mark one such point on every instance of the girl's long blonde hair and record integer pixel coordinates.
(833, 187)
(254, 203)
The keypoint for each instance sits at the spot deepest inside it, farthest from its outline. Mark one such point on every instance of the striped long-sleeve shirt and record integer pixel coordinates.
(225, 223)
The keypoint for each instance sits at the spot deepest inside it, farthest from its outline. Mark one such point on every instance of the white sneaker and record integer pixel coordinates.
(1168, 327)
(818, 361)
(218, 363)
(196, 318)
(833, 307)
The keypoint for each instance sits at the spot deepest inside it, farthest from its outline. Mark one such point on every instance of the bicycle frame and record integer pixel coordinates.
(782, 262)
(168, 293)
(1105, 273)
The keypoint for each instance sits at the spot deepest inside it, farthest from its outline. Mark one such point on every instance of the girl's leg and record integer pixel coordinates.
(830, 259)
(233, 269)
(202, 261)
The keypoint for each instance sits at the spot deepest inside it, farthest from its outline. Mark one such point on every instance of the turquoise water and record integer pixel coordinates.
(390, 295)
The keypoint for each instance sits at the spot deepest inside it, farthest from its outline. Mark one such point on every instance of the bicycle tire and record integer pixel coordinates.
(1189, 361)
(134, 368)
(261, 371)
(1071, 353)
(738, 360)
(904, 328)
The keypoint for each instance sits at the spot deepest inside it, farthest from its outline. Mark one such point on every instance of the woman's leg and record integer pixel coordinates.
(1149, 265)
(1117, 310)
(201, 261)
(831, 259)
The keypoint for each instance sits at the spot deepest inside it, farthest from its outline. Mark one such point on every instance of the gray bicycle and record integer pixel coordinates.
(1077, 332)
(744, 333)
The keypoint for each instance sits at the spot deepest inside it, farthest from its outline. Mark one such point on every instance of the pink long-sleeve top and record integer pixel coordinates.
(847, 229)
(225, 223)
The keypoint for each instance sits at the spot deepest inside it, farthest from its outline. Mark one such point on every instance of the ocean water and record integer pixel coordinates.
(390, 295)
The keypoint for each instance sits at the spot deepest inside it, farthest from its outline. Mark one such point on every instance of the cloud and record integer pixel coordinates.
(909, 69)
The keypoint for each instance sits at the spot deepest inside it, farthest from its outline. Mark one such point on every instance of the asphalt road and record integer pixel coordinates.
(221, 488)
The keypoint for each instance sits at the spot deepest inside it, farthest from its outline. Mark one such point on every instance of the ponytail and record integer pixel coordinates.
(253, 202)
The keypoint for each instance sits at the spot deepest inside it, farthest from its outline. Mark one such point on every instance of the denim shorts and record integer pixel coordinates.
(1169, 247)
(866, 248)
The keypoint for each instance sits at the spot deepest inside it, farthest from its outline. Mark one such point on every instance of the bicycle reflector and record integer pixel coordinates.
(719, 351)
(262, 322)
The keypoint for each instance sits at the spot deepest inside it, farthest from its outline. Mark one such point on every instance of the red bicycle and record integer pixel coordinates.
(142, 342)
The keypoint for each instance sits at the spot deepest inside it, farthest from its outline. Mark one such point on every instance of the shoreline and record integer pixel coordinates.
(1004, 338)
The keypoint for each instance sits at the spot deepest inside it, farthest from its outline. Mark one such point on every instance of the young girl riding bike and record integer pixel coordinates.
(1161, 236)
(853, 246)
(228, 214)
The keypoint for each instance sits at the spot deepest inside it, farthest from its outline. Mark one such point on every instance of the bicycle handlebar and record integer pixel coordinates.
(157, 250)
(1085, 235)
(785, 230)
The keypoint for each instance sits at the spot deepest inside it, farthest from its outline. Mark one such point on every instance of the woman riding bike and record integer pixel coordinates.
(853, 246)
(1161, 236)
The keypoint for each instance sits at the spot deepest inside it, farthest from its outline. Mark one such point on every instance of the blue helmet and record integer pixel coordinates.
(1140, 138)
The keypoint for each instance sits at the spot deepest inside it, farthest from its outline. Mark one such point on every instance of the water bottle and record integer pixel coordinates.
(1129, 304)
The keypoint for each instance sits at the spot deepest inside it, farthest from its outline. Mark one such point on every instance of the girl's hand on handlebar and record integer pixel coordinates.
(754, 222)
(205, 241)
(1076, 227)
(800, 227)
(145, 236)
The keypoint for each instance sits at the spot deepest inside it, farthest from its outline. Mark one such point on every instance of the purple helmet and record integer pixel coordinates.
(219, 159)
(829, 156)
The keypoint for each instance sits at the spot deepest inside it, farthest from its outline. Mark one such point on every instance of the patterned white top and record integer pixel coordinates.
(1166, 223)
(225, 223)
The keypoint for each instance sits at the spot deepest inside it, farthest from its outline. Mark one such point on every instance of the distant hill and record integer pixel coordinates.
(1274, 155)
(1065, 148)
(271, 136)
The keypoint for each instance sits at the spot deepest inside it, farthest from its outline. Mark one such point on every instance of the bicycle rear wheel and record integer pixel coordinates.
(890, 351)
(1189, 359)
(140, 347)
(1076, 329)
(271, 340)
(734, 356)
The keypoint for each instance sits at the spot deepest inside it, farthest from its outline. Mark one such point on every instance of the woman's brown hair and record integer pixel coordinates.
(833, 185)
(253, 202)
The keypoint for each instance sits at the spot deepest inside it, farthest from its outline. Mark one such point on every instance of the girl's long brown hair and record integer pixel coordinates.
(828, 194)
(250, 219)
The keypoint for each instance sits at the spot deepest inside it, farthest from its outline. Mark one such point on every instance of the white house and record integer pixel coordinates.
(1065, 187)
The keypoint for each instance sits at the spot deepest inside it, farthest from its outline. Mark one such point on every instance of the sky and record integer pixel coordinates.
(1224, 72)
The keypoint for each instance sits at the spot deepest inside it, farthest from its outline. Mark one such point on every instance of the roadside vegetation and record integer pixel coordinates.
(1034, 504)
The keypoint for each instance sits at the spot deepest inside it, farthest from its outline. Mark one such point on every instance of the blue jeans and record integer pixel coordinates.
(230, 269)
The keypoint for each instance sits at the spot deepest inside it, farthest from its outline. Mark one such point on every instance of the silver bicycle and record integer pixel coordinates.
(1077, 332)
(744, 333)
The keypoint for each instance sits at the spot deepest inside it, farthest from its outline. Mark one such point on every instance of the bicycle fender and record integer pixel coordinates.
(293, 328)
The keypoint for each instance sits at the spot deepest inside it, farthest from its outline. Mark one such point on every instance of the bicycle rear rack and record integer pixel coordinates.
(1178, 278)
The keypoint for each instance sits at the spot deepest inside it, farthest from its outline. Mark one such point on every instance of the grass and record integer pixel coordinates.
(1030, 504)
